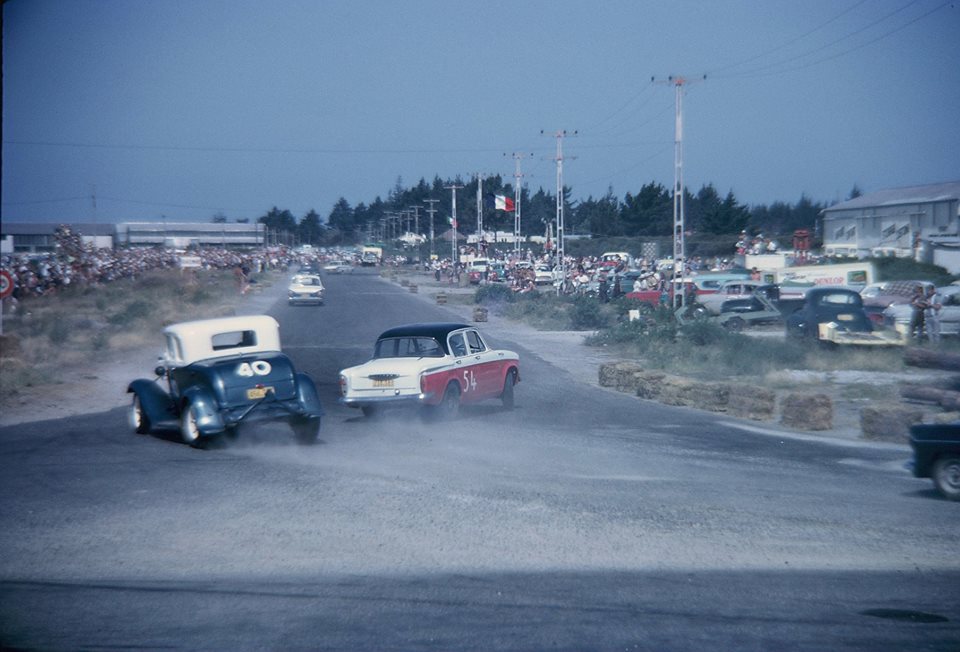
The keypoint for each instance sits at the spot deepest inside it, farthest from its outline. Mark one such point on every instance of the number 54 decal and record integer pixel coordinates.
(469, 381)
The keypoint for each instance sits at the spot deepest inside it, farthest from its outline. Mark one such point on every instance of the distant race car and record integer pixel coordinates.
(219, 373)
(438, 366)
(305, 288)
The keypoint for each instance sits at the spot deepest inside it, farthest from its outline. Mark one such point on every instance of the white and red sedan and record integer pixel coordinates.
(439, 366)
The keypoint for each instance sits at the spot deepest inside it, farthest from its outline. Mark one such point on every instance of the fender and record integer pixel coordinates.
(307, 396)
(154, 400)
(209, 420)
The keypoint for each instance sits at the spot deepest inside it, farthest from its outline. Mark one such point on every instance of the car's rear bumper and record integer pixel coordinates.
(423, 398)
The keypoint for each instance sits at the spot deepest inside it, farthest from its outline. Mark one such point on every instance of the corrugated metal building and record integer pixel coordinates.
(921, 222)
(182, 234)
(26, 237)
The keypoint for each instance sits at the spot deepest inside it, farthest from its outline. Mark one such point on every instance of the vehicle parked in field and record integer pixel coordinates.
(893, 293)
(220, 373)
(836, 315)
(435, 365)
(737, 289)
(899, 315)
(936, 455)
(305, 288)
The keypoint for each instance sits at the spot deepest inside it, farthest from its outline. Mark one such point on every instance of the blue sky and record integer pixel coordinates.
(188, 109)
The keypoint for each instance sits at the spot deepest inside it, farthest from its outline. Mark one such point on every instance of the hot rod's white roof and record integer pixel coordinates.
(203, 339)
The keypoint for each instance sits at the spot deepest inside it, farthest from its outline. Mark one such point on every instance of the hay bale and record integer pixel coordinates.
(889, 422)
(441, 297)
(807, 411)
(692, 393)
(619, 375)
(649, 384)
(413, 288)
(751, 402)
(480, 314)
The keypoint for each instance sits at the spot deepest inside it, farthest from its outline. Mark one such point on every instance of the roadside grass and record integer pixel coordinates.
(701, 349)
(80, 325)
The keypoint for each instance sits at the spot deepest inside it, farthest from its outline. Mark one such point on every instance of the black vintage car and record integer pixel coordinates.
(936, 455)
(220, 373)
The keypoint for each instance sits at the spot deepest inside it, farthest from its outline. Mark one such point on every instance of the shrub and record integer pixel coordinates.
(494, 293)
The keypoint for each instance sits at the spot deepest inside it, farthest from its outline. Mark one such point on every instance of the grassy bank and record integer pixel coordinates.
(86, 325)
(700, 349)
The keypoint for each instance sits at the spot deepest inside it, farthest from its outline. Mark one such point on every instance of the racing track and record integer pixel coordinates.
(581, 520)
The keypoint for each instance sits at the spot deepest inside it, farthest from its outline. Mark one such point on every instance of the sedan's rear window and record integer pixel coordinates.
(408, 347)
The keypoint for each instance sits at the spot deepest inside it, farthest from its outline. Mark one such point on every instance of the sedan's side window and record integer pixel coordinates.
(457, 346)
(474, 342)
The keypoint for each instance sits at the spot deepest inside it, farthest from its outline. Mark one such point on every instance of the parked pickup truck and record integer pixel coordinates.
(936, 455)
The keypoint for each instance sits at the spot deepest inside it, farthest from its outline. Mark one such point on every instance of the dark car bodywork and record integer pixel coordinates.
(936, 455)
(836, 316)
(243, 382)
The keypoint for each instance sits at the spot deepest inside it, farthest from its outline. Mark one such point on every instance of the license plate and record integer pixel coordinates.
(845, 317)
(257, 393)
(383, 383)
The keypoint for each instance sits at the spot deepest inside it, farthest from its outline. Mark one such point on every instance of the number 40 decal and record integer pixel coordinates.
(469, 380)
(255, 368)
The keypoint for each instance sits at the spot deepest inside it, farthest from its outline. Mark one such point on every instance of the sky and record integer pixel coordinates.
(132, 110)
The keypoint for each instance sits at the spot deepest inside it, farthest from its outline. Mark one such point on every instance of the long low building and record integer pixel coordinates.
(920, 222)
(28, 237)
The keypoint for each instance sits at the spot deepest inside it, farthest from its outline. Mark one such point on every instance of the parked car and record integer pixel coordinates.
(543, 275)
(305, 288)
(936, 455)
(836, 315)
(436, 365)
(899, 315)
(893, 292)
(477, 270)
(220, 373)
(736, 289)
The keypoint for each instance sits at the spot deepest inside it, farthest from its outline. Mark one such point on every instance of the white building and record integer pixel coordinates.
(921, 222)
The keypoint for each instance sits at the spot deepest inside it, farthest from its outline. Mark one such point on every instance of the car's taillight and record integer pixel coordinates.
(423, 383)
(343, 385)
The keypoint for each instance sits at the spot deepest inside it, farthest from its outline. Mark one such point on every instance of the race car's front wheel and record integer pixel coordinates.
(306, 430)
(189, 431)
(946, 476)
(139, 420)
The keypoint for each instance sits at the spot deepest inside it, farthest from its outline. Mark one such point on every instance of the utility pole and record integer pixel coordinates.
(517, 194)
(431, 211)
(679, 228)
(560, 135)
(416, 219)
(453, 224)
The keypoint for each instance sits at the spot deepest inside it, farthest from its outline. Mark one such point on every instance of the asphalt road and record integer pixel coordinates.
(582, 520)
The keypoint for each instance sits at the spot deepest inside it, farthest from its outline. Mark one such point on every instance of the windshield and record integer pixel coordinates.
(408, 347)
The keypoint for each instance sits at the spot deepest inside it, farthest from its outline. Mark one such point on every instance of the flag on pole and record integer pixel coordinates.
(503, 203)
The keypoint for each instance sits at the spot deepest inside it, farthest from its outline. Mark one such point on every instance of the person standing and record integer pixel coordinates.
(932, 314)
(918, 302)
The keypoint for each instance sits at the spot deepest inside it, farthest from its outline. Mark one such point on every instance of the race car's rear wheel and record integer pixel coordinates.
(139, 420)
(506, 397)
(946, 476)
(306, 430)
(189, 431)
